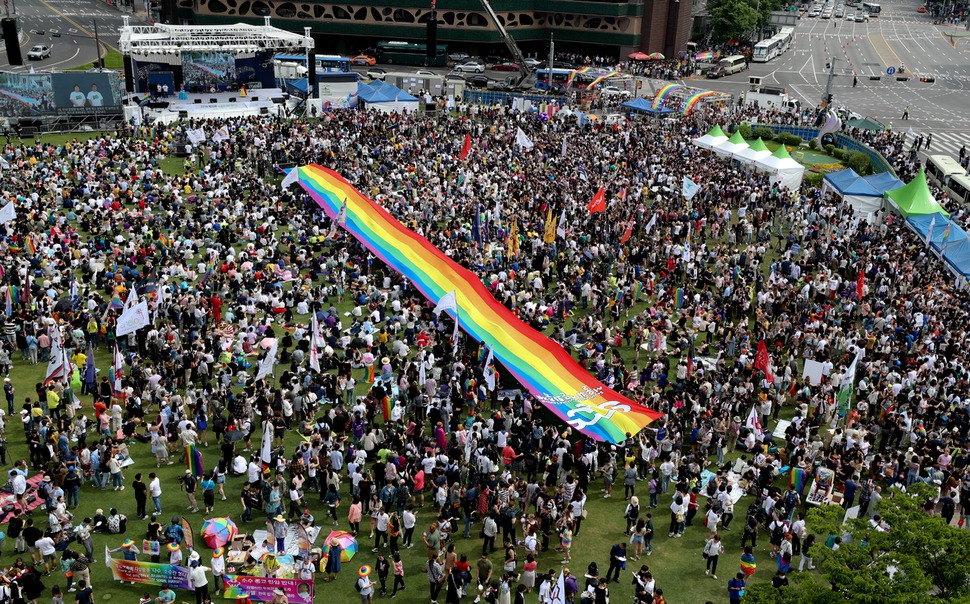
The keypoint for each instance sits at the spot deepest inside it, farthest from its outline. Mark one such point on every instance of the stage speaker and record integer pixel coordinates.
(198, 101)
(432, 43)
(264, 110)
(213, 101)
(312, 75)
(183, 114)
(12, 41)
(232, 99)
(129, 75)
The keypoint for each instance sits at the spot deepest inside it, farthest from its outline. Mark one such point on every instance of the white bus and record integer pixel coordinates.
(733, 64)
(939, 169)
(773, 47)
(958, 189)
(872, 8)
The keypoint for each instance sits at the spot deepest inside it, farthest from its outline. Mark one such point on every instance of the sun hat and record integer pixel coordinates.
(279, 518)
(173, 547)
(279, 592)
(364, 570)
(218, 552)
(128, 543)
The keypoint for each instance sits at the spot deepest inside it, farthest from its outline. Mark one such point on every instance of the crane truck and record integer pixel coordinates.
(526, 78)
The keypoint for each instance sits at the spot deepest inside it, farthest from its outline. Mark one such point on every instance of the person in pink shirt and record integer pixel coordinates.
(354, 514)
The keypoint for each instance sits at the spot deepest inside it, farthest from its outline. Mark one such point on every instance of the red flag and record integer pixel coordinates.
(628, 232)
(763, 362)
(466, 147)
(860, 282)
(598, 203)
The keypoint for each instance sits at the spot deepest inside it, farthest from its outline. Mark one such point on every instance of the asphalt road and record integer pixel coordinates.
(67, 27)
(867, 50)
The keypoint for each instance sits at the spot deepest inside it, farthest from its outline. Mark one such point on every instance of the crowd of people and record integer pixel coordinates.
(399, 423)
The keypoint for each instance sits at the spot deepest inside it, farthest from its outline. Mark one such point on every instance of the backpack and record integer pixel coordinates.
(357, 585)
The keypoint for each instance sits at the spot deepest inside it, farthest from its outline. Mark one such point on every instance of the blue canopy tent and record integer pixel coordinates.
(863, 198)
(299, 86)
(642, 105)
(386, 97)
(955, 250)
(884, 181)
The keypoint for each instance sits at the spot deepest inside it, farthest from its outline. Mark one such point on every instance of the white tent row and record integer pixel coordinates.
(781, 167)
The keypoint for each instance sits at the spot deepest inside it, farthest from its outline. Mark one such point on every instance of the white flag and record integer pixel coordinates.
(132, 299)
(58, 366)
(754, 422)
(561, 227)
(132, 319)
(118, 368)
(293, 176)
(448, 301)
(7, 213)
(314, 349)
(689, 188)
(422, 374)
(523, 141)
(557, 595)
(929, 232)
(266, 448)
(563, 153)
(489, 372)
(649, 227)
(266, 365)
(220, 135)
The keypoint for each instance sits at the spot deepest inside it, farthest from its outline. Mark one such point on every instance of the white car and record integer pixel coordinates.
(470, 67)
(533, 63)
(38, 52)
(376, 74)
(425, 72)
(614, 91)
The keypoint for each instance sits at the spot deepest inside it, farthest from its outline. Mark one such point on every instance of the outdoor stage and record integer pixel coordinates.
(261, 101)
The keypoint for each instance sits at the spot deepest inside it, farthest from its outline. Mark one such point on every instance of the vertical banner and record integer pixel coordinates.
(261, 588)
(303, 540)
(189, 535)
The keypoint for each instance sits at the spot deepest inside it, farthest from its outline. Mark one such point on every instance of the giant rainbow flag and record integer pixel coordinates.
(540, 364)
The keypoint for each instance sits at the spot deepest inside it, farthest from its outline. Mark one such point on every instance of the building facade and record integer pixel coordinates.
(611, 27)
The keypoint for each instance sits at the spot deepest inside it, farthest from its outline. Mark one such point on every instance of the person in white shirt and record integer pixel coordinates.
(155, 492)
(218, 566)
(200, 582)
(47, 550)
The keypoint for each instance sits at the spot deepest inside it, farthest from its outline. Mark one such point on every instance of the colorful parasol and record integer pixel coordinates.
(656, 56)
(638, 56)
(348, 544)
(707, 55)
(217, 532)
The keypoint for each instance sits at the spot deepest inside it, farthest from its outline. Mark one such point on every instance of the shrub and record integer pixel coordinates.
(830, 149)
(813, 179)
(813, 144)
(745, 130)
(859, 162)
(764, 133)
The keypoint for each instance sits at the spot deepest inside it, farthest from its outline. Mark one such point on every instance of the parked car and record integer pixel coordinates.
(363, 60)
(38, 52)
(506, 66)
(477, 81)
(454, 76)
(376, 74)
(458, 56)
(562, 65)
(716, 73)
(533, 63)
(425, 72)
(494, 59)
(614, 91)
(470, 67)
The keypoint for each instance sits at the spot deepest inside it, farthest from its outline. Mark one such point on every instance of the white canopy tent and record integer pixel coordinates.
(783, 169)
(731, 146)
(715, 136)
(752, 153)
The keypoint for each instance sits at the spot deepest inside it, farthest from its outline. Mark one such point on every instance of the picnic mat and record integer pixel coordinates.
(33, 501)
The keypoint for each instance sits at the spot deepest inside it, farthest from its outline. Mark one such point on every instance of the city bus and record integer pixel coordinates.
(411, 53)
(939, 169)
(559, 76)
(325, 63)
(773, 47)
(872, 8)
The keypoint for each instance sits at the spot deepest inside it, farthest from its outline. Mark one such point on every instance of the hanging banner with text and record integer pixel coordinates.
(297, 591)
(176, 577)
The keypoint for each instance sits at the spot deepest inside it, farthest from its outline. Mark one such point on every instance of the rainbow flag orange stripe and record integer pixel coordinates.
(542, 366)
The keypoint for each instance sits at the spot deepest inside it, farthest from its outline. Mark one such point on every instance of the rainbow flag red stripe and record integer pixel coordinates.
(542, 366)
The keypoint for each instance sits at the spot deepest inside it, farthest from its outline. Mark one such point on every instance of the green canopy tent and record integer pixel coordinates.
(715, 136)
(866, 124)
(915, 199)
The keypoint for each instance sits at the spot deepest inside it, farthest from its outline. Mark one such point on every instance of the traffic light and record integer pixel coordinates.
(828, 65)
(828, 99)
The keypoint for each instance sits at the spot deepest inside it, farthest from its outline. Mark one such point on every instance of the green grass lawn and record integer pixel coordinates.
(676, 563)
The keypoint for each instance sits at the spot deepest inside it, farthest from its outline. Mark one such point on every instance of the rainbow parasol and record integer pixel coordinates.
(216, 532)
(348, 544)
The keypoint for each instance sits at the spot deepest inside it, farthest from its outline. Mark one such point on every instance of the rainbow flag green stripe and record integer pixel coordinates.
(539, 364)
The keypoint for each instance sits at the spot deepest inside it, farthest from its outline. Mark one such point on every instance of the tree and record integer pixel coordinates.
(732, 20)
(919, 559)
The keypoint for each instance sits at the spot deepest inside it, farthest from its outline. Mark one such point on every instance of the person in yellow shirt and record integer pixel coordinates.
(53, 402)
(80, 358)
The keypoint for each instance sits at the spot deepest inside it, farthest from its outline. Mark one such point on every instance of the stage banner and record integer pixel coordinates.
(79, 92)
(176, 577)
(26, 94)
(541, 365)
(297, 591)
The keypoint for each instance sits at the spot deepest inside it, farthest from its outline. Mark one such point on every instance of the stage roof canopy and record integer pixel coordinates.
(241, 37)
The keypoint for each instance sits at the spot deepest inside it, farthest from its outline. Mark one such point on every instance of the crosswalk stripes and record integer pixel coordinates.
(944, 143)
